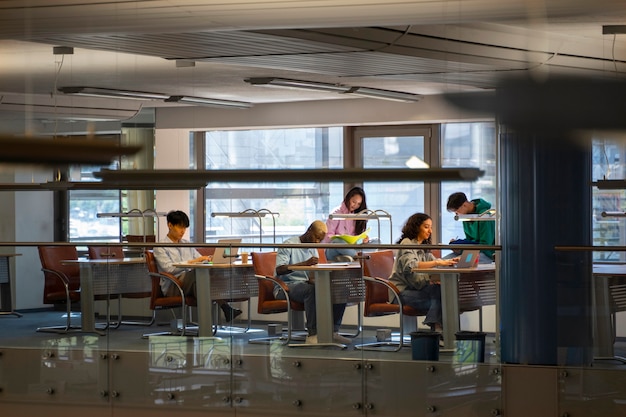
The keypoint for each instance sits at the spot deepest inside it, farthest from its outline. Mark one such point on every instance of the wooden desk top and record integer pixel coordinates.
(449, 270)
(209, 265)
(110, 261)
(333, 266)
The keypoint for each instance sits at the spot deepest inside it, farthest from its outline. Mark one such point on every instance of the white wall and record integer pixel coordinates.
(30, 221)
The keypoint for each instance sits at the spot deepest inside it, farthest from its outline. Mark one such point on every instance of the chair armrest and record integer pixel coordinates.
(172, 279)
(390, 286)
(284, 288)
(64, 279)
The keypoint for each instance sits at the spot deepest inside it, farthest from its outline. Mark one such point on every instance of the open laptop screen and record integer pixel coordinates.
(225, 255)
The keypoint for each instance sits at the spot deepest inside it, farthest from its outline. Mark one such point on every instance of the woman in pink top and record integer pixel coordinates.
(354, 202)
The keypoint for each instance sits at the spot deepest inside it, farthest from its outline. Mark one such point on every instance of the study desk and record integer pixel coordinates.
(450, 297)
(108, 277)
(324, 295)
(609, 294)
(6, 297)
(220, 282)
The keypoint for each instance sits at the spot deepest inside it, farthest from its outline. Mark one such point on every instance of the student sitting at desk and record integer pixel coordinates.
(166, 257)
(300, 288)
(353, 202)
(479, 232)
(416, 289)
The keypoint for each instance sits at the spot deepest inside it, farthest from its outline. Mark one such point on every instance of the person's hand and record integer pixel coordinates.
(207, 258)
(446, 262)
(313, 260)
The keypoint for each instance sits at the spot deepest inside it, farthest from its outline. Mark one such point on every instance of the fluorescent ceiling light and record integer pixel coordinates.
(304, 85)
(212, 102)
(335, 88)
(385, 94)
(109, 92)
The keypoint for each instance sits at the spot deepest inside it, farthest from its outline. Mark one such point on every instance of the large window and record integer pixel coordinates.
(297, 204)
(394, 147)
(467, 145)
(84, 206)
(608, 156)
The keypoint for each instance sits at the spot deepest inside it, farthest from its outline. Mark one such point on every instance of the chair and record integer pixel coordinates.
(116, 252)
(105, 252)
(264, 269)
(377, 268)
(158, 301)
(206, 251)
(62, 283)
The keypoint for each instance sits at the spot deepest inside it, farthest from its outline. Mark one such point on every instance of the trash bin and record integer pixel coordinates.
(425, 345)
(470, 347)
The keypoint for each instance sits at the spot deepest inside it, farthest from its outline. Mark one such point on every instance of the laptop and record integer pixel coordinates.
(226, 255)
(468, 259)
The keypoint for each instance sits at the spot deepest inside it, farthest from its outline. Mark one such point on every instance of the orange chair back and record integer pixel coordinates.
(264, 263)
(378, 265)
(51, 258)
(157, 298)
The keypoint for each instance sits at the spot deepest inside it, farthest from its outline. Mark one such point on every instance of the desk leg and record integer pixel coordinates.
(87, 313)
(324, 307)
(205, 303)
(6, 297)
(450, 309)
(324, 312)
(602, 329)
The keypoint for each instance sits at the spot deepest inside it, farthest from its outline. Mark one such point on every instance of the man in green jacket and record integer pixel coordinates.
(479, 232)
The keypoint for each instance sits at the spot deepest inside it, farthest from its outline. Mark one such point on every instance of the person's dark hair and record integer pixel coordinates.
(178, 218)
(455, 201)
(359, 225)
(411, 228)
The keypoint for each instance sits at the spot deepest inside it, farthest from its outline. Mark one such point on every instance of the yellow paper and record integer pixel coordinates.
(352, 239)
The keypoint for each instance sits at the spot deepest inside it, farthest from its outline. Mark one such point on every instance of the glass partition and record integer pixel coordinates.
(231, 368)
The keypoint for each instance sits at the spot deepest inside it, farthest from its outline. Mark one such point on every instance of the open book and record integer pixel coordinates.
(352, 239)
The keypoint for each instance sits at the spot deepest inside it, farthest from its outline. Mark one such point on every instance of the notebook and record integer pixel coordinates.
(226, 255)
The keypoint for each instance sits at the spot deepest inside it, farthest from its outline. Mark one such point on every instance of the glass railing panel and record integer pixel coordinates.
(591, 391)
